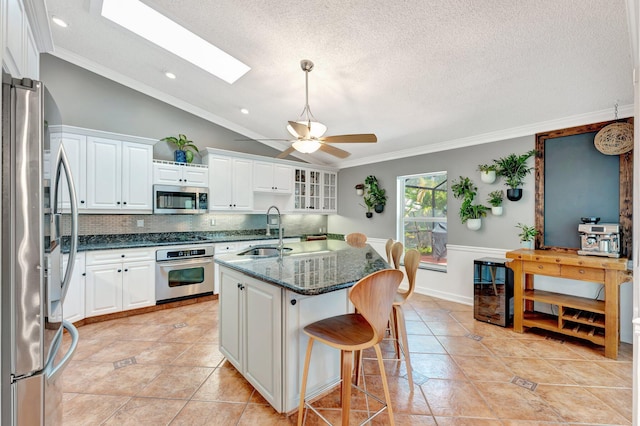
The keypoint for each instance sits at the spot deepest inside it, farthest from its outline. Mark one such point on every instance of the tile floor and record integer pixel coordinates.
(165, 368)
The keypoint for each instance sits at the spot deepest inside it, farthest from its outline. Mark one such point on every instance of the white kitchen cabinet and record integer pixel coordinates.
(272, 177)
(73, 307)
(170, 173)
(230, 183)
(315, 191)
(119, 175)
(329, 192)
(21, 57)
(250, 332)
(307, 190)
(261, 334)
(118, 280)
(75, 147)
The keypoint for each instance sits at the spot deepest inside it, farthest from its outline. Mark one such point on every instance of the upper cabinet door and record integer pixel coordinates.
(195, 176)
(220, 186)
(75, 146)
(15, 22)
(104, 173)
(283, 178)
(242, 184)
(137, 160)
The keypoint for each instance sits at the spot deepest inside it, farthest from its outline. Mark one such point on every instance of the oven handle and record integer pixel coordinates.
(186, 262)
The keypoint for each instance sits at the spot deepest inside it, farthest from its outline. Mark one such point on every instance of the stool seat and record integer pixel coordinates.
(349, 330)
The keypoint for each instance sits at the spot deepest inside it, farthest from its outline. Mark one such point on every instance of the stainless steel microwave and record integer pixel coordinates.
(169, 199)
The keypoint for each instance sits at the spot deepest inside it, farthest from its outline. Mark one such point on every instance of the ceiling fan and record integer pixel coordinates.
(309, 132)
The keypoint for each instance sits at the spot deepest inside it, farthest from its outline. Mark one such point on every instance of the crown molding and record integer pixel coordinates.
(515, 132)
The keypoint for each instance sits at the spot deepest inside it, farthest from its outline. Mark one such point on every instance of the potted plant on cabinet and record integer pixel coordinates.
(514, 168)
(378, 195)
(495, 199)
(185, 148)
(470, 213)
(527, 235)
(487, 172)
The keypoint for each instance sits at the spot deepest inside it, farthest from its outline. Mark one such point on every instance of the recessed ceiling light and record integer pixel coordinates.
(160, 30)
(59, 21)
(244, 110)
(170, 75)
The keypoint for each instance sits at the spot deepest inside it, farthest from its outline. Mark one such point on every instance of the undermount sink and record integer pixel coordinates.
(264, 251)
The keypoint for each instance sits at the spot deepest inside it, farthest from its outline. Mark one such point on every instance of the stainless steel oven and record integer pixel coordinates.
(184, 272)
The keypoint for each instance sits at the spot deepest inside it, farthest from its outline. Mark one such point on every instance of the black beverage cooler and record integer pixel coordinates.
(492, 291)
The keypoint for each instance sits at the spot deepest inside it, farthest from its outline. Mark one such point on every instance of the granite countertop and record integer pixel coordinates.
(121, 241)
(311, 267)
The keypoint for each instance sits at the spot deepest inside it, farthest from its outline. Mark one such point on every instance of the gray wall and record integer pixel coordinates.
(496, 231)
(88, 100)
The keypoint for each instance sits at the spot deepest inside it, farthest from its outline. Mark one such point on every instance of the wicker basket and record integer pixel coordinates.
(615, 139)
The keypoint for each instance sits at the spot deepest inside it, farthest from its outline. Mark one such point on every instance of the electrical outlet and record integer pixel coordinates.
(213, 222)
(140, 223)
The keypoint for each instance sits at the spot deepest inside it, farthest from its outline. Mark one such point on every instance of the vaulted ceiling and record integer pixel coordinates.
(423, 75)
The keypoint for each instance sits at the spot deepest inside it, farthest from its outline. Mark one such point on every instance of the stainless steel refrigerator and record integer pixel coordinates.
(33, 282)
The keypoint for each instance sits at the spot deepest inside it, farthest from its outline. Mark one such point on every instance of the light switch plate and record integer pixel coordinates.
(213, 222)
(140, 223)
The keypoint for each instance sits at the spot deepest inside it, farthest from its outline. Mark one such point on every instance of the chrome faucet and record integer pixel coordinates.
(280, 243)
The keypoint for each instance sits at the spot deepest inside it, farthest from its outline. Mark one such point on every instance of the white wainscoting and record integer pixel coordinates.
(456, 284)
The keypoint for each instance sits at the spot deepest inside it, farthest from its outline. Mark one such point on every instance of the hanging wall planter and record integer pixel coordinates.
(513, 168)
(369, 215)
(377, 195)
(379, 208)
(487, 172)
(474, 224)
(496, 211)
(514, 194)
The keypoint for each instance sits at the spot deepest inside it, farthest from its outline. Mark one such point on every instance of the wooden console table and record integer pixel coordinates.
(595, 320)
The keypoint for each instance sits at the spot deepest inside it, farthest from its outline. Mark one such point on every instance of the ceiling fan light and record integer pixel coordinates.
(306, 146)
(316, 131)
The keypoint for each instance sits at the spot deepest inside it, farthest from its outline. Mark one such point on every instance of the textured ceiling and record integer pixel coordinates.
(420, 74)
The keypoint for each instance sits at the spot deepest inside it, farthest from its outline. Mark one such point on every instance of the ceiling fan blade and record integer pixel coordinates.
(362, 138)
(300, 129)
(337, 152)
(286, 152)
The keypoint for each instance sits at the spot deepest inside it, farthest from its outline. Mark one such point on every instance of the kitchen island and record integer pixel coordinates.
(265, 302)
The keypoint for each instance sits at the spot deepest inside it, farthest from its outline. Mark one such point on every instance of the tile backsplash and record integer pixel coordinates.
(101, 224)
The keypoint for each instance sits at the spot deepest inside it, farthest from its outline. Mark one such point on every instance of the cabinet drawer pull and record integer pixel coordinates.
(293, 302)
(540, 267)
(119, 270)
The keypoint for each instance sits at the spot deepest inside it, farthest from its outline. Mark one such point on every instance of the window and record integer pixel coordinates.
(422, 224)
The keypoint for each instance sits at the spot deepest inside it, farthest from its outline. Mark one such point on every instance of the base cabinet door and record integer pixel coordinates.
(230, 316)
(251, 331)
(324, 369)
(103, 289)
(73, 305)
(138, 285)
(262, 337)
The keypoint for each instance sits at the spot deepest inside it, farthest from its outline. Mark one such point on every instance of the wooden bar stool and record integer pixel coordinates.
(398, 326)
(396, 253)
(387, 248)
(372, 297)
(356, 239)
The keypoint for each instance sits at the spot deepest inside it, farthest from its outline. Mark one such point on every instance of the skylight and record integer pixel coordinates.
(160, 30)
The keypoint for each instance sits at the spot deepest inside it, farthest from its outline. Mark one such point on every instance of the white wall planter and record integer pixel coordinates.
(496, 211)
(474, 224)
(488, 177)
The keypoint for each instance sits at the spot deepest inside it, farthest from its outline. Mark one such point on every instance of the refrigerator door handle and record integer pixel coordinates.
(52, 371)
(62, 163)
